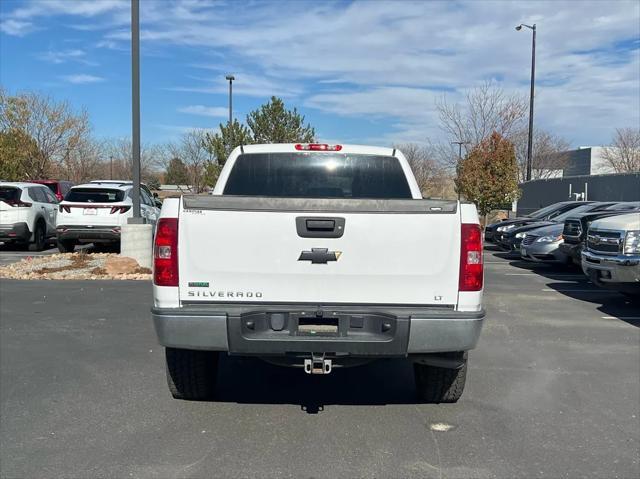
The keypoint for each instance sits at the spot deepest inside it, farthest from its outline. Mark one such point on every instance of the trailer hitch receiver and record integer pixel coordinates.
(317, 364)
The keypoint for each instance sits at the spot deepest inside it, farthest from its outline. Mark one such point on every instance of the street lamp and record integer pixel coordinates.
(230, 78)
(533, 79)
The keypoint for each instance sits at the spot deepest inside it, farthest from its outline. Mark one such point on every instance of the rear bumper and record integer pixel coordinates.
(283, 330)
(88, 233)
(15, 232)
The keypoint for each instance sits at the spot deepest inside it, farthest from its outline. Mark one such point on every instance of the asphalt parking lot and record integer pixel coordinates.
(553, 391)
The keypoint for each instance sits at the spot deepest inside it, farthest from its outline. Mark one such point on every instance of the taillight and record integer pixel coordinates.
(121, 209)
(64, 208)
(165, 253)
(317, 147)
(471, 270)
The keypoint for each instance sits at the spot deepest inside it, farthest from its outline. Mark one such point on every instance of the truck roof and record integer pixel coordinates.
(291, 148)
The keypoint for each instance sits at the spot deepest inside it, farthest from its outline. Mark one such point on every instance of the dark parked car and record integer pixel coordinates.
(576, 226)
(494, 232)
(510, 240)
(58, 187)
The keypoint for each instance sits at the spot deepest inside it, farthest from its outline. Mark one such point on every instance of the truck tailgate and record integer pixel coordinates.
(243, 249)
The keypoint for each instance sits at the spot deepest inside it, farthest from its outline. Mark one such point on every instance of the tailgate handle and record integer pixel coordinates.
(319, 227)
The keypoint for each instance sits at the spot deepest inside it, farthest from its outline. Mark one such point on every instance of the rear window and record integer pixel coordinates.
(318, 175)
(9, 194)
(95, 195)
(52, 186)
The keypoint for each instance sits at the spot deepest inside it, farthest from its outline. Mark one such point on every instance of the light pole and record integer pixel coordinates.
(111, 167)
(135, 108)
(533, 80)
(230, 78)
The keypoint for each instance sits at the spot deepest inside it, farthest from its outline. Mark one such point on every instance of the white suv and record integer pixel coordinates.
(95, 213)
(27, 214)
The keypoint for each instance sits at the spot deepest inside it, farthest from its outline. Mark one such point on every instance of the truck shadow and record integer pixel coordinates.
(252, 381)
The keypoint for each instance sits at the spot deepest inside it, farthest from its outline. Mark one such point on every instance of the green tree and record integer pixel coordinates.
(211, 173)
(273, 123)
(16, 149)
(222, 144)
(488, 176)
(177, 173)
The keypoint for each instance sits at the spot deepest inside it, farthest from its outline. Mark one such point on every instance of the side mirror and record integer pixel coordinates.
(158, 203)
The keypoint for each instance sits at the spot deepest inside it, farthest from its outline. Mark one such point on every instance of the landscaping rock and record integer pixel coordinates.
(121, 265)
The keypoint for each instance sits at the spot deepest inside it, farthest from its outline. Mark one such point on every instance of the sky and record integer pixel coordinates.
(366, 72)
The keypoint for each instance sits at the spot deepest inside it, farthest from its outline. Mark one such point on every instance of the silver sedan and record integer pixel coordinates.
(542, 245)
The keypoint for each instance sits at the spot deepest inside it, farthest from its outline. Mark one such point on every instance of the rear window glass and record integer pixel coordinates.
(10, 194)
(318, 175)
(52, 186)
(95, 195)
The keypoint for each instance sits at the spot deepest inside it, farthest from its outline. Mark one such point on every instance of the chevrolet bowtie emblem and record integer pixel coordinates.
(319, 255)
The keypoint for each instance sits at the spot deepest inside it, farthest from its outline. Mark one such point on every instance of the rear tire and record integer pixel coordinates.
(438, 385)
(191, 374)
(66, 246)
(39, 236)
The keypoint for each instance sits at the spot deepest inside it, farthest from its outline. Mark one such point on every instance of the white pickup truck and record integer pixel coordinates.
(317, 256)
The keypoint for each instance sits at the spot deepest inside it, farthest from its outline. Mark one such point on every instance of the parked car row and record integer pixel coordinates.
(32, 213)
(602, 237)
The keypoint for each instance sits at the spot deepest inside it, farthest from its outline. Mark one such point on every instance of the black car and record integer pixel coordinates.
(510, 240)
(494, 231)
(576, 226)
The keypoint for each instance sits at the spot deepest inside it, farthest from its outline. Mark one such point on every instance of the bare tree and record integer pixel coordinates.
(623, 155)
(549, 156)
(84, 163)
(485, 109)
(118, 153)
(191, 149)
(430, 174)
(54, 127)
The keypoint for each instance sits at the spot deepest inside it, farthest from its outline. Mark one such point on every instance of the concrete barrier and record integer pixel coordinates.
(137, 243)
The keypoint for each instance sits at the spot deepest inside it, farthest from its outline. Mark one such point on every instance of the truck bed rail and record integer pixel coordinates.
(325, 205)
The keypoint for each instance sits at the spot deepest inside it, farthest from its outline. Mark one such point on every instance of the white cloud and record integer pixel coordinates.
(17, 28)
(245, 83)
(212, 111)
(62, 56)
(81, 78)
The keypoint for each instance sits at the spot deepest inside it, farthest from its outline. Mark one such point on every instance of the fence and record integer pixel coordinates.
(614, 187)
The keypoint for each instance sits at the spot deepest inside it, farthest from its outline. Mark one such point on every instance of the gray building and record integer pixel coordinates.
(586, 160)
(611, 187)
